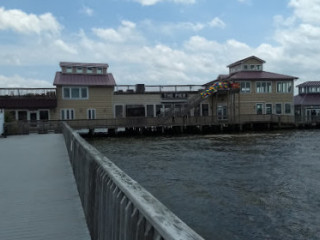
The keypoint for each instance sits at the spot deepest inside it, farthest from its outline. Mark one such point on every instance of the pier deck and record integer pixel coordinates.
(38, 195)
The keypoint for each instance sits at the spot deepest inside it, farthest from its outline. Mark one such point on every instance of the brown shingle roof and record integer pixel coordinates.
(106, 80)
(259, 75)
(310, 84)
(307, 99)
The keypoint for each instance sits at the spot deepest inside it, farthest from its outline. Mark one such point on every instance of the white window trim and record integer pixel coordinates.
(272, 112)
(98, 68)
(284, 108)
(68, 109)
(69, 68)
(275, 108)
(49, 117)
(249, 88)
(80, 98)
(263, 108)
(266, 87)
(123, 110)
(146, 109)
(284, 92)
(201, 112)
(91, 110)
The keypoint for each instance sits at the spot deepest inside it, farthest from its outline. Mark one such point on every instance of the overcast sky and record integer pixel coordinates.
(157, 41)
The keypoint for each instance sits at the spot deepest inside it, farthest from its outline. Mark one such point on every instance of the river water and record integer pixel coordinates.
(241, 186)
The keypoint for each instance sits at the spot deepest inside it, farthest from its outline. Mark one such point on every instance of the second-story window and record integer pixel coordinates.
(75, 92)
(284, 87)
(245, 87)
(263, 87)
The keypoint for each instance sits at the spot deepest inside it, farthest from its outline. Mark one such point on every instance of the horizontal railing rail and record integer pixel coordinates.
(116, 206)
(27, 92)
(158, 88)
(44, 126)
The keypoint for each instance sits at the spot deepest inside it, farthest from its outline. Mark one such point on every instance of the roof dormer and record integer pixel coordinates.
(248, 64)
(84, 68)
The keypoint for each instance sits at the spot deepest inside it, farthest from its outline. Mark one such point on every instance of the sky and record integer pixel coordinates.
(157, 42)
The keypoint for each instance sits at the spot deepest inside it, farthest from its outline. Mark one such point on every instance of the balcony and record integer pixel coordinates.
(28, 98)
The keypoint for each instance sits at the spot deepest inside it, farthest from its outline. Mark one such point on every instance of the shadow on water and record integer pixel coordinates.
(243, 186)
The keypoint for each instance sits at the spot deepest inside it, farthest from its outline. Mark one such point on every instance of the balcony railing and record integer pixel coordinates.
(27, 92)
(140, 88)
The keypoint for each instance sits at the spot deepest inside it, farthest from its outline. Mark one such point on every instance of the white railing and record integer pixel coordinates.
(116, 206)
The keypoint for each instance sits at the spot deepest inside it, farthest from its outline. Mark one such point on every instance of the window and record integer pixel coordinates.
(259, 108)
(68, 69)
(245, 67)
(158, 109)
(284, 87)
(67, 114)
(22, 115)
(99, 70)
(263, 87)
(268, 108)
(278, 108)
(287, 108)
(258, 67)
(44, 115)
(150, 111)
(79, 70)
(66, 92)
(252, 67)
(222, 113)
(84, 92)
(75, 92)
(205, 110)
(135, 111)
(119, 111)
(245, 87)
(89, 70)
(91, 114)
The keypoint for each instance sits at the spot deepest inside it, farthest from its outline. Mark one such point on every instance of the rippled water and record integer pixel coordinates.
(242, 186)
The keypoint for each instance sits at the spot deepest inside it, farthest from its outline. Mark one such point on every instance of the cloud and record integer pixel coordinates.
(125, 32)
(136, 58)
(306, 10)
(217, 22)
(248, 2)
(174, 28)
(87, 11)
(21, 22)
(153, 2)
(17, 81)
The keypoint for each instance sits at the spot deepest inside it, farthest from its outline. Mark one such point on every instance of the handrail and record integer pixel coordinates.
(116, 206)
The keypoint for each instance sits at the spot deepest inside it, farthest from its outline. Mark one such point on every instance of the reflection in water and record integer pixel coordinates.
(246, 186)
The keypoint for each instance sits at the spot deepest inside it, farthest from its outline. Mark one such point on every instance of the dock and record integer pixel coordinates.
(39, 197)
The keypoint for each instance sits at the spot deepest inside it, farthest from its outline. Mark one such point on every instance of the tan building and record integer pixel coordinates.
(84, 91)
(261, 93)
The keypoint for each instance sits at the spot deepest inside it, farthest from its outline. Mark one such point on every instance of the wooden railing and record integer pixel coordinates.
(25, 127)
(116, 206)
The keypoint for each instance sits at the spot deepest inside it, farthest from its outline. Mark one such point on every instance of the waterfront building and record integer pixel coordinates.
(28, 104)
(307, 102)
(84, 91)
(262, 95)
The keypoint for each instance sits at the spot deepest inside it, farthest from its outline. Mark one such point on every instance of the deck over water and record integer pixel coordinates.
(38, 195)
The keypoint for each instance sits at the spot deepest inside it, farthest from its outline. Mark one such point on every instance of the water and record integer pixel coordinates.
(246, 186)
